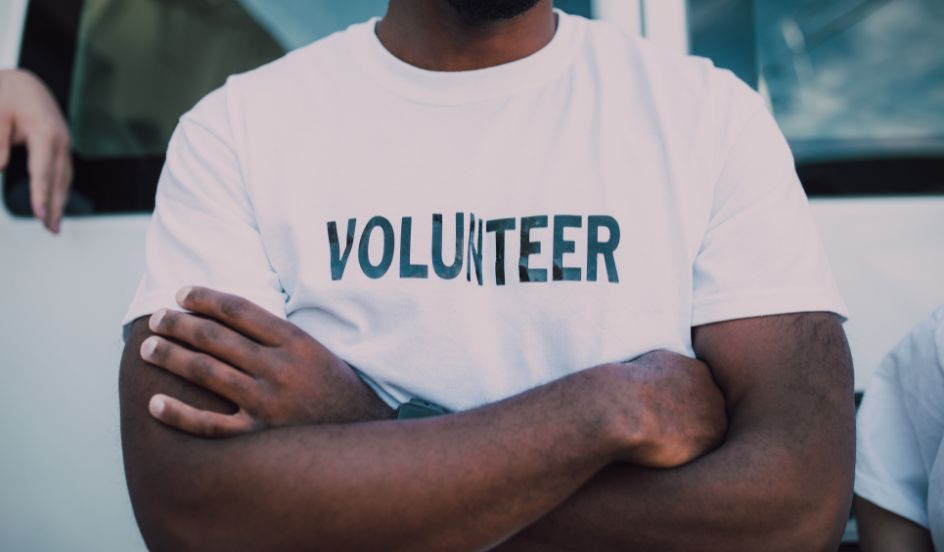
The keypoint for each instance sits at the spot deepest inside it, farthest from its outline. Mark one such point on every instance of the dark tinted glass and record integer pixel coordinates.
(856, 85)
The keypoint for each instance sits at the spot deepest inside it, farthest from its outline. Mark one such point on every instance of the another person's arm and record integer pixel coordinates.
(463, 481)
(881, 530)
(900, 432)
(29, 115)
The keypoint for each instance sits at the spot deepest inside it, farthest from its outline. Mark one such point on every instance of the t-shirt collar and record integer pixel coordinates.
(458, 87)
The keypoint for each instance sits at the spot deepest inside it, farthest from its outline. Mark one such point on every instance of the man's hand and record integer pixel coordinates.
(671, 406)
(276, 374)
(662, 409)
(464, 481)
(29, 114)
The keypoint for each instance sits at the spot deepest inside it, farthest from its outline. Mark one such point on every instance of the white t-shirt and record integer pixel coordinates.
(900, 451)
(615, 195)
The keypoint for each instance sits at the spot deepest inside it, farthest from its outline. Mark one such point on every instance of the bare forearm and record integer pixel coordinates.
(781, 481)
(880, 530)
(727, 500)
(463, 481)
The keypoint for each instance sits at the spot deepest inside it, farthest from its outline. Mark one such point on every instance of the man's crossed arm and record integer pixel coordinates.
(561, 466)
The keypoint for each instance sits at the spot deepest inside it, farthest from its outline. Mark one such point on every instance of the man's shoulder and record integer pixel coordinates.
(689, 84)
(319, 58)
(616, 44)
(304, 76)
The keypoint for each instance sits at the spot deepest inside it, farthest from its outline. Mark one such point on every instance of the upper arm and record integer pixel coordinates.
(787, 380)
(155, 456)
(759, 252)
(900, 433)
(204, 230)
(796, 362)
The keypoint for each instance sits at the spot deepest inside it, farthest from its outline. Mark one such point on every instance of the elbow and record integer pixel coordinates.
(175, 511)
(171, 522)
(819, 529)
(823, 527)
(816, 512)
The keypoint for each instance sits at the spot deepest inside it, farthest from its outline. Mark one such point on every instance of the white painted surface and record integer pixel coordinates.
(60, 459)
(888, 258)
(12, 14)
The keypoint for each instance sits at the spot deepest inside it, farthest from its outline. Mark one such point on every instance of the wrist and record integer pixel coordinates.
(364, 405)
(621, 419)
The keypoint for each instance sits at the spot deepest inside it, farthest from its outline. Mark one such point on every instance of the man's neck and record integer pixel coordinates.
(431, 35)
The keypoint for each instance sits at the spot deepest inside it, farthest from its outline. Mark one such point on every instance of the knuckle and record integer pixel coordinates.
(288, 354)
(239, 385)
(232, 307)
(253, 349)
(208, 427)
(45, 132)
(63, 140)
(266, 390)
(295, 333)
(245, 422)
(40, 174)
(205, 333)
(200, 369)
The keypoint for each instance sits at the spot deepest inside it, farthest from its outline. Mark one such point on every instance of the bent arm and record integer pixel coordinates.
(781, 481)
(463, 481)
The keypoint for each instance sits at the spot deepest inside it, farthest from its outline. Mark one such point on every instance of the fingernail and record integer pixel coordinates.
(147, 348)
(156, 406)
(182, 295)
(41, 213)
(156, 318)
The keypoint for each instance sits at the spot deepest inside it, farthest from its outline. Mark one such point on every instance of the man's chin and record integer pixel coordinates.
(490, 10)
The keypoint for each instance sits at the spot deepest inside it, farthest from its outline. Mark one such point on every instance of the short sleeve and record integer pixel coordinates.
(900, 424)
(761, 253)
(203, 231)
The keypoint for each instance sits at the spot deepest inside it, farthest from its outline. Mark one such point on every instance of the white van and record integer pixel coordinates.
(857, 85)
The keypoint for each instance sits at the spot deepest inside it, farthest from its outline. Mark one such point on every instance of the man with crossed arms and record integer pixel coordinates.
(666, 368)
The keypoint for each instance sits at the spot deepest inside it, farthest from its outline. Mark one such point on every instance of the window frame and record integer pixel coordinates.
(851, 168)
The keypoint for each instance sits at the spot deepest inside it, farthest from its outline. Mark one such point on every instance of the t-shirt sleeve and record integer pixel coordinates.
(900, 425)
(761, 253)
(203, 231)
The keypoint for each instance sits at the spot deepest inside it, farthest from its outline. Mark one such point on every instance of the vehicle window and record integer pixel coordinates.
(856, 85)
(124, 71)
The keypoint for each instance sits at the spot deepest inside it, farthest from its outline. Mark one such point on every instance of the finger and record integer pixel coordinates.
(201, 370)
(240, 314)
(210, 337)
(6, 137)
(203, 423)
(60, 188)
(41, 169)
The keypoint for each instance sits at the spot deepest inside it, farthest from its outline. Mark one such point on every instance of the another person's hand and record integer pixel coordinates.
(275, 373)
(665, 408)
(29, 114)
